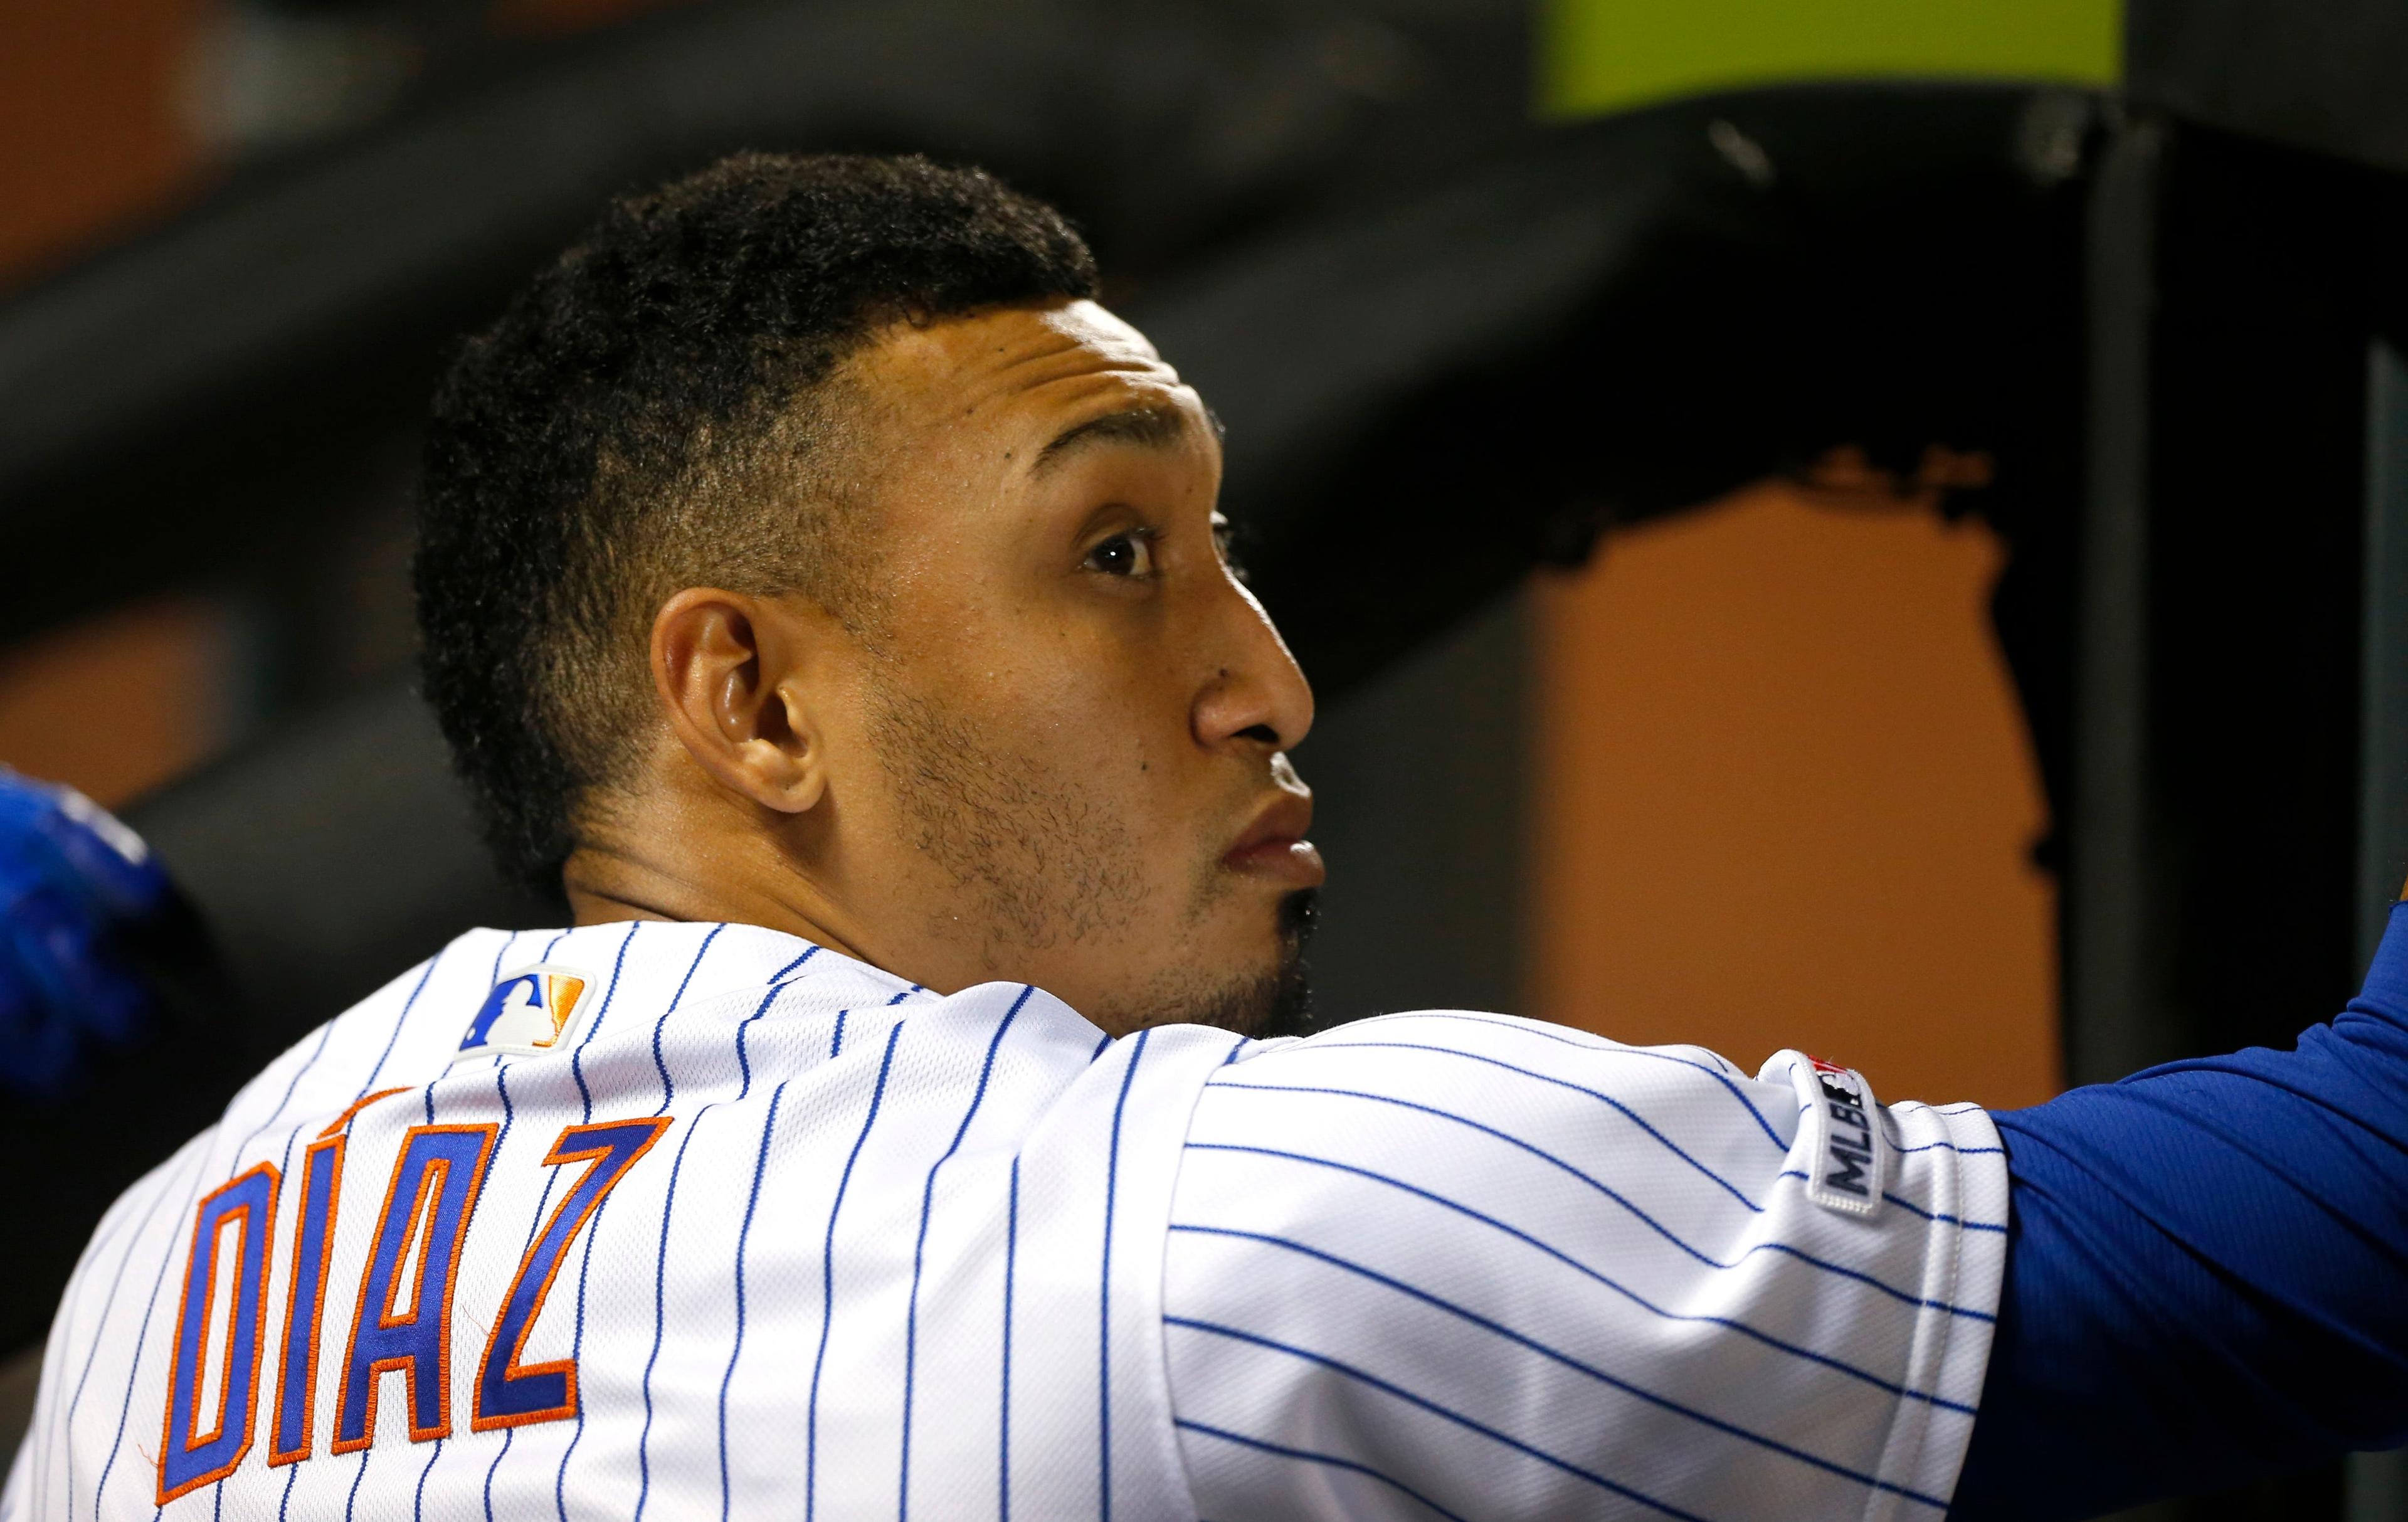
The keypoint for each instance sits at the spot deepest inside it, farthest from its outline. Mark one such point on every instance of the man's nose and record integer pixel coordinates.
(1255, 696)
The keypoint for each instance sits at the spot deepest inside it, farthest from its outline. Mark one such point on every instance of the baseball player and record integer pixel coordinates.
(825, 594)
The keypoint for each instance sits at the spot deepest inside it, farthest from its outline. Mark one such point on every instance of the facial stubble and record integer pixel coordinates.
(1042, 863)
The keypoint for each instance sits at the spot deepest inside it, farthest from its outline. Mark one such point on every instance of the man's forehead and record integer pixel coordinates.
(1091, 327)
(1052, 360)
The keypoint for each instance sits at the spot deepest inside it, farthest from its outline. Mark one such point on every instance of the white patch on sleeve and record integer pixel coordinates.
(1841, 1131)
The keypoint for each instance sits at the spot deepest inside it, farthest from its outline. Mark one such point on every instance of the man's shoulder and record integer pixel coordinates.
(1418, 1076)
(490, 994)
(1481, 1036)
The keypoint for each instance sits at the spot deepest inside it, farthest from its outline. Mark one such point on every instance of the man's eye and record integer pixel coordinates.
(1123, 554)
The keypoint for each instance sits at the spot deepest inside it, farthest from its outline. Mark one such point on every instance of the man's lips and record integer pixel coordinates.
(1274, 846)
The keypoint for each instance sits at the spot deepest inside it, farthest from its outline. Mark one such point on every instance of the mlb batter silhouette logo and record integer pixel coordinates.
(529, 1011)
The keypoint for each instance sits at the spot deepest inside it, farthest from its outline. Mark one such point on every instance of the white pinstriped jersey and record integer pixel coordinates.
(688, 1220)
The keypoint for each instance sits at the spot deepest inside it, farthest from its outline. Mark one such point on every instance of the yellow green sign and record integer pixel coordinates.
(1607, 55)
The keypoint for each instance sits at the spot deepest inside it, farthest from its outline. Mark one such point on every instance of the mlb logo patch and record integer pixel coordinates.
(1840, 1124)
(531, 1010)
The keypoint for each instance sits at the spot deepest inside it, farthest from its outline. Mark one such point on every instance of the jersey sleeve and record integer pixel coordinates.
(2209, 1261)
(1453, 1265)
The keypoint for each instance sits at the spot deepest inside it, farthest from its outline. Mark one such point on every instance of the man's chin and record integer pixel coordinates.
(1273, 1002)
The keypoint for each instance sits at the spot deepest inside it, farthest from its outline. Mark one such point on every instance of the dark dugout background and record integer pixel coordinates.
(2167, 315)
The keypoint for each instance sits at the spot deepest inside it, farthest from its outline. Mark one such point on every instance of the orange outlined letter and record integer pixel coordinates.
(507, 1394)
(190, 1456)
(438, 1177)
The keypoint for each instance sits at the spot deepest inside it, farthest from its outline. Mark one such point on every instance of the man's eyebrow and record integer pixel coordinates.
(1154, 426)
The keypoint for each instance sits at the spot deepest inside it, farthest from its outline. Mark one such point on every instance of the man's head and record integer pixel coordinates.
(806, 547)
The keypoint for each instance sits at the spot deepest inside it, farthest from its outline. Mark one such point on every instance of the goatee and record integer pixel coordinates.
(1272, 1004)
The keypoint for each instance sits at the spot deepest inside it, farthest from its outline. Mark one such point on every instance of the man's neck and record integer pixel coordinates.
(606, 885)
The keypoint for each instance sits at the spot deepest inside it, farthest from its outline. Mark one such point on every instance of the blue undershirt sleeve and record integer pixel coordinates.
(2207, 1275)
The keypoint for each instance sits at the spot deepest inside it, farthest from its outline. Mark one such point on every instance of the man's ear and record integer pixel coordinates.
(728, 670)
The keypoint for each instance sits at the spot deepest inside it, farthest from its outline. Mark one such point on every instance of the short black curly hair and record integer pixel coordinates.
(655, 412)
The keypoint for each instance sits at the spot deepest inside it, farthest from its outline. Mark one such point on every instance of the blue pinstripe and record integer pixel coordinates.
(293, 1473)
(503, 951)
(324, 1031)
(402, 1019)
(660, 1063)
(1890, 1133)
(677, 1169)
(1596, 1275)
(576, 1053)
(502, 1088)
(408, 1005)
(1558, 1356)
(351, 1498)
(577, 1350)
(675, 999)
(1596, 1183)
(828, 1281)
(744, 1058)
(593, 1227)
(92, 1350)
(141, 1337)
(1423, 1402)
(743, 1235)
(919, 1248)
(1307, 1456)
(418, 1504)
(1535, 1151)
(668, 1207)
(1609, 1100)
(777, 979)
(660, 1298)
(283, 1169)
(743, 1033)
(54, 1368)
(1010, 1256)
(390, 1041)
(1603, 1047)
(1104, 1290)
(1941, 1218)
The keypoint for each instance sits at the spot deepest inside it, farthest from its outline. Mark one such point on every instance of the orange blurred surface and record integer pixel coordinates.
(89, 135)
(1785, 798)
(120, 704)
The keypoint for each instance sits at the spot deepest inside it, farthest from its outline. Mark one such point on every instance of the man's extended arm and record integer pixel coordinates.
(2208, 1271)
